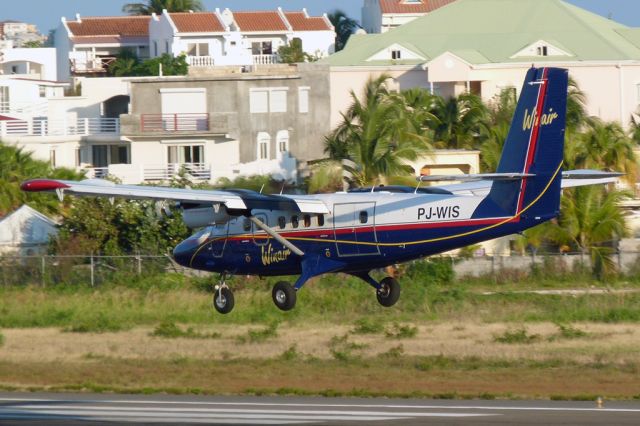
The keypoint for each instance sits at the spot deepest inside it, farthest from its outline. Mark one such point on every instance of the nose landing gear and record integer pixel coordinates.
(223, 300)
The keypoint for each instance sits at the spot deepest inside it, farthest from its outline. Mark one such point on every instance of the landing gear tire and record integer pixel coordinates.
(284, 296)
(389, 292)
(223, 300)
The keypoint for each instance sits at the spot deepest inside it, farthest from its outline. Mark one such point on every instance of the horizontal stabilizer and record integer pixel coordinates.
(476, 177)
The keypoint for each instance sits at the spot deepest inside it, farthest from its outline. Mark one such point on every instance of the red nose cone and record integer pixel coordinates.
(38, 185)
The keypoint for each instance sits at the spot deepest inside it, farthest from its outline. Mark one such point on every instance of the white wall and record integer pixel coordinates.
(62, 44)
(45, 56)
(160, 31)
(317, 43)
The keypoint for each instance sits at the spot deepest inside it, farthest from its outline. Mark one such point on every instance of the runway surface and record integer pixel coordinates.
(81, 409)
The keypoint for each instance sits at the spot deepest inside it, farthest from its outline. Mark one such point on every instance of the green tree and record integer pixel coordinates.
(591, 221)
(344, 27)
(16, 166)
(292, 53)
(461, 120)
(126, 64)
(170, 65)
(157, 6)
(32, 44)
(122, 227)
(378, 133)
(606, 146)
(635, 128)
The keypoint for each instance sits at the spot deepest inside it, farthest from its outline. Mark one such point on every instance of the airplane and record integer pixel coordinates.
(243, 232)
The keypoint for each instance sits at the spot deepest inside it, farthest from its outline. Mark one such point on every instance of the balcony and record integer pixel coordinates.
(201, 61)
(153, 123)
(244, 61)
(272, 59)
(46, 127)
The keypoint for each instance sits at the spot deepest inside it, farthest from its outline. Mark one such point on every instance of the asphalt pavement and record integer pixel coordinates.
(90, 409)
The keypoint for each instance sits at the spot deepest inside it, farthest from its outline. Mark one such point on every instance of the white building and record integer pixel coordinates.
(25, 232)
(379, 16)
(226, 38)
(86, 46)
(36, 63)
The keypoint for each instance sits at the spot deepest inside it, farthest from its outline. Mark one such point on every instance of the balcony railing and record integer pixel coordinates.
(197, 171)
(91, 64)
(200, 61)
(266, 59)
(174, 122)
(46, 127)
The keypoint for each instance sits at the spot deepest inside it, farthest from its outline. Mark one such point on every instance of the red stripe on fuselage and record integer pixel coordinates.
(330, 232)
(533, 143)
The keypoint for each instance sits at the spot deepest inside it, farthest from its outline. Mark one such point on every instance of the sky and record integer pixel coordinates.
(46, 14)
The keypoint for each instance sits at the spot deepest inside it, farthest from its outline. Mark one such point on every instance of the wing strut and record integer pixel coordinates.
(279, 238)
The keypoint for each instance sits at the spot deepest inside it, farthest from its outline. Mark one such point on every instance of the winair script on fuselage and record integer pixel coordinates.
(269, 255)
(439, 212)
(531, 118)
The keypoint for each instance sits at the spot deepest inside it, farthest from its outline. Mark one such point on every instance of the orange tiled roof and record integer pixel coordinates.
(403, 6)
(301, 22)
(197, 22)
(259, 21)
(125, 26)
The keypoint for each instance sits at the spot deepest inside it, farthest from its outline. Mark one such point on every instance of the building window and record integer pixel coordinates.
(14, 69)
(42, 91)
(264, 140)
(267, 100)
(303, 100)
(259, 101)
(543, 51)
(155, 48)
(262, 48)
(198, 49)
(4, 99)
(282, 142)
(166, 46)
(278, 101)
(185, 154)
(396, 54)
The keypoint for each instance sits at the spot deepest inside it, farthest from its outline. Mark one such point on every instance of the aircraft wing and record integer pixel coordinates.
(232, 199)
(479, 185)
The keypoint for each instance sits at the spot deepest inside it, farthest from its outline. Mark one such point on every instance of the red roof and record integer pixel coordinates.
(124, 26)
(259, 21)
(404, 6)
(300, 21)
(197, 22)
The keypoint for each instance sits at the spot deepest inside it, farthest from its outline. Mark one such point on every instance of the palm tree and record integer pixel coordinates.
(126, 64)
(378, 133)
(576, 108)
(605, 145)
(157, 6)
(635, 128)
(461, 120)
(344, 27)
(591, 221)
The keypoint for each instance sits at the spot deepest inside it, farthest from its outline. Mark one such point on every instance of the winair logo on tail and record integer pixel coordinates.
(531, 118)
(269, 255)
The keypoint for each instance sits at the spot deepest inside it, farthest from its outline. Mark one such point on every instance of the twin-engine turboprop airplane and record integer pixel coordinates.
(247, 233)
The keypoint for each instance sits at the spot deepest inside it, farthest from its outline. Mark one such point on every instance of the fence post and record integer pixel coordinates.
(92, 272)
(43, 264)
(139, 259)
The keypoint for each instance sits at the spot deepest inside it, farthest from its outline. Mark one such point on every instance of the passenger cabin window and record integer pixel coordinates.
(364, 217)
(246, 225)
(282, 222)
(294, 222)
(307, 220)
(320, 220)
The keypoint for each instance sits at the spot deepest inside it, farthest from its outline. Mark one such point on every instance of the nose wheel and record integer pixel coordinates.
(284, 296)
(223, 300)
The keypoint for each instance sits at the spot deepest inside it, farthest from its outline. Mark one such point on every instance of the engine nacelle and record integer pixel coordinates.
(200, 216)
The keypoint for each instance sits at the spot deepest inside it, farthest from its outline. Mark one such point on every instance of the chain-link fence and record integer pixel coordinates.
(81, 270)
(97, 270)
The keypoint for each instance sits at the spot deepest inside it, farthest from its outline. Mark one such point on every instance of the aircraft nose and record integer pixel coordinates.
(183, 253)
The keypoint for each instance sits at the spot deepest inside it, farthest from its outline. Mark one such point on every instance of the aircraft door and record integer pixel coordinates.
(219, 233)
(354, 228)
(260, 238)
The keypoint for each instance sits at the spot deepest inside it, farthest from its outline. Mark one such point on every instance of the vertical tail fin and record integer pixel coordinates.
(535, 145)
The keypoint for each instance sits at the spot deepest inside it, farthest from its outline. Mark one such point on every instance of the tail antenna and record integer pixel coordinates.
(284, 183)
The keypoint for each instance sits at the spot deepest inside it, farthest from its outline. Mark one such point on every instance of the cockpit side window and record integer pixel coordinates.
(246, 225)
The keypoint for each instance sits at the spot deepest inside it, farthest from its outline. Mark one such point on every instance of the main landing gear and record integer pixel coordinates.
(284, 296)
(387, 290)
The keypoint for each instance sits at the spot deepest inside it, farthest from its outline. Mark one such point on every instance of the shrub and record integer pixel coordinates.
(368, 326)
(401, 331)
(517, 336)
